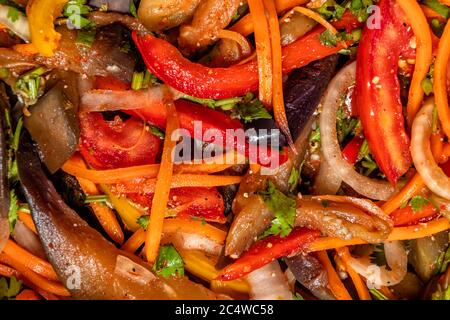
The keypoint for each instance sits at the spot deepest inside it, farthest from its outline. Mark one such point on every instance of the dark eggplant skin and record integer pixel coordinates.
(304, 89)
(4, 184)
(84, 261)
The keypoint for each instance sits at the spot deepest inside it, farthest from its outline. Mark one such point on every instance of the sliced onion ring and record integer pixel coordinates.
(19, 26)
(371, 188)
(433, 176)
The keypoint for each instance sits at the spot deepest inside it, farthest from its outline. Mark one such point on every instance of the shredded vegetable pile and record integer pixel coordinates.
(260, 149)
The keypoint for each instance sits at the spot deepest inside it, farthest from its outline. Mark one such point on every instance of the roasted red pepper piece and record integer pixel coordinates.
(378, 91)
(167, 63)
(351, 150)
(407, 216)
(201, 203)
(348, 22)
(266, 251)
(116, 144)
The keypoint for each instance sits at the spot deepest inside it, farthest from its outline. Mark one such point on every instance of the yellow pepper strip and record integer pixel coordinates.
(129, 213)
(41, 15)
(197, 263)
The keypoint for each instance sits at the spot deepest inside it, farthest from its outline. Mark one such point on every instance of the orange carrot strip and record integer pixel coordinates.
(398, 233)
(388, 293)
(360, 286)
(424, 54)
(245, 25)
(8, 272)
(105, 215)
(41, 282)
(162, 188)
(123, 174)
(136, 240)
(27, 220)
(312, 15)
(178, 181)
(411, 189)
(30, 261)
(278, 100)
(28, 294)
(431, 14)
(263, 51)
(440, 79)
(335, 284)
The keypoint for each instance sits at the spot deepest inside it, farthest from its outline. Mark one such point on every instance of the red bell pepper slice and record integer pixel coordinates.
(406, 216)
(351, 150)
(167, 63)
(116, 144)
(200, 203)
(268, 250)
(378, 91)
(348, 22)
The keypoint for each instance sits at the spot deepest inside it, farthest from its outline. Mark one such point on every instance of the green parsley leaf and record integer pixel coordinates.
(359, 8)
(133, 10)
(427, 86)
(74, 11)
(13, 14)
(418, 202)
(297, 296)
(294, 177)
(331, 10)
(143, 221)
(438, 7)
(284, 211)
(9, 291)
(345, 125)
(86, 37)
(13, 209)
(252, 111)
(169, 262)
(328, 39)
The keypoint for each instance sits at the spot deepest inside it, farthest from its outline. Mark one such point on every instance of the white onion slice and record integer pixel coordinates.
(191, 241)
(433, 176)
(19, 27)
(133, 271)
(376, 276)
(327, 181)
(269, 283)
(370, 188)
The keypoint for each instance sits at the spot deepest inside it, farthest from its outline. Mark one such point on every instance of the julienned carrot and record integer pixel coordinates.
(360, 286)
(263, 51)
(411, 189)
(431, 14)
(398, 233)
(8, 272)
(27, 220)
(28, 294)
(277, 69)
(440, 79)
(26, 49)
(162, 188)
(105, 215)
(245, 25)
(124, 174)
(388, 293)
(174, 225)
(312, 15)
(135, 241)
(334, 282)
(36, 279)
(178, 181)
(30, 261)
(238, 38)
(424, 54)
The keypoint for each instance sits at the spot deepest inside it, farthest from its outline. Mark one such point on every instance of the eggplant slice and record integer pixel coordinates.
(76, 250)
(4, 184)
(304, 89)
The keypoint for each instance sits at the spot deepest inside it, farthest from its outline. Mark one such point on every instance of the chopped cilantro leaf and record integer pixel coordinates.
(418, 202)
(284, 211)
(9, 291)
(252, 111)
(157, 132)
(133, 10)
(328, 39)
(378, 257)
(13, 14)
(169, 262)
(143, 221)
